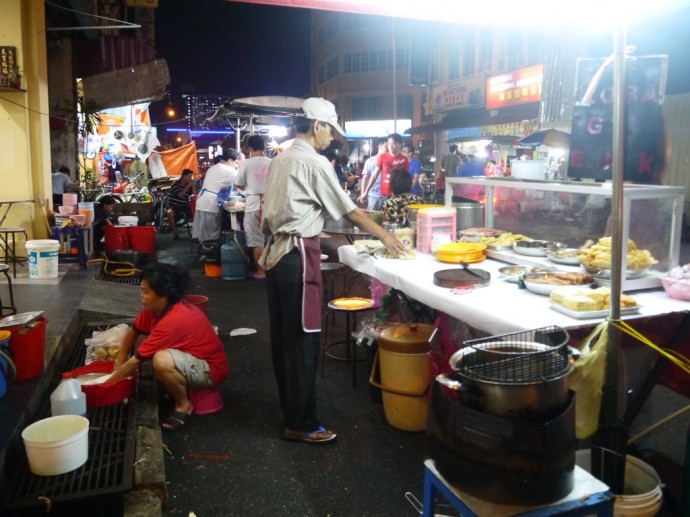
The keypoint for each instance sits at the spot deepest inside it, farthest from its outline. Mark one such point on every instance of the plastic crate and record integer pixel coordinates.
(434, 221)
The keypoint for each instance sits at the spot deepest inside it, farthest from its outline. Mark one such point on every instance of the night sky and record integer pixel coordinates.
(234, 49)
(239, 49)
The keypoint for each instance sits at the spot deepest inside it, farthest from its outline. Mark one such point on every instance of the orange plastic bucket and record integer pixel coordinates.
(213, 270)
(142, 238)
(115, 238)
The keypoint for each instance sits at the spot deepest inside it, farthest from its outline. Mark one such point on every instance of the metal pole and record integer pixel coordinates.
(611, 439)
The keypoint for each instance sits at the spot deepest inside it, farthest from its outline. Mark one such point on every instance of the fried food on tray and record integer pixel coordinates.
(599, 255)
(505, 239)
(570, 278)
(583, 300)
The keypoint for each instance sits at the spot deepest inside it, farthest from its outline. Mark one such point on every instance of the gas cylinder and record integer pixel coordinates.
(232, 261)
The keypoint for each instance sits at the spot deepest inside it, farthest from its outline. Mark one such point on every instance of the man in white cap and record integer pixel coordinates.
(301, 191)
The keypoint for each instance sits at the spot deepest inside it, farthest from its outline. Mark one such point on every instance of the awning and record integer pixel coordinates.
(496, 139)
(547, 137)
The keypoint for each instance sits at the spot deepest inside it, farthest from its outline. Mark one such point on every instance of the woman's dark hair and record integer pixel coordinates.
(106, 200)
(166, 280)
(401, 182)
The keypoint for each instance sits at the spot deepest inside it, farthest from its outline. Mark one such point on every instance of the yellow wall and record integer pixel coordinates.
(24, 131)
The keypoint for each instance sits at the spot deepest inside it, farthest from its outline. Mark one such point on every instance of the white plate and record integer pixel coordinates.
(546, 289)
(558, 259)
(585, 315)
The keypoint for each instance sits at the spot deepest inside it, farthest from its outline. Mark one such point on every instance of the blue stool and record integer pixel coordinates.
(67, 232)
(589, 497)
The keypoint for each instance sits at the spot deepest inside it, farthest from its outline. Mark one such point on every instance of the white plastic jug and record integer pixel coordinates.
(67, 398)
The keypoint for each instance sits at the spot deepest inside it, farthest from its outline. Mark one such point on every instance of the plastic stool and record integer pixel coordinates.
(340, 305)
(10, 246)
(4, 268)
(206, 401)
(66, 233)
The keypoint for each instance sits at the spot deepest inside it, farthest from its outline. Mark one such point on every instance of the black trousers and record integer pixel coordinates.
(295, 352)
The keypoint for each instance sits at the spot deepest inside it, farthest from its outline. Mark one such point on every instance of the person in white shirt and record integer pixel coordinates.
(251, 179)
(301, 191)
(207, 217)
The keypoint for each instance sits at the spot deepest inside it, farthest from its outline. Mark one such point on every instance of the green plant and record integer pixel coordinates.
(92, 189)
(90, 119)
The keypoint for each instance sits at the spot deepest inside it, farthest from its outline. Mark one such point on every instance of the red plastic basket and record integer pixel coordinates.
(108, 393)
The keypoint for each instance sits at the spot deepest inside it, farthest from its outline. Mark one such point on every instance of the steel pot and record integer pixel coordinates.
(133, 257)
(538, 397)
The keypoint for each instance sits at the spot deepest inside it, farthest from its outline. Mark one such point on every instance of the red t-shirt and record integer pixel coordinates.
(388, 162)
(184, 327)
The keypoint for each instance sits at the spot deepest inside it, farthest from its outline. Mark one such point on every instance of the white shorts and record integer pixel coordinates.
(252, 229)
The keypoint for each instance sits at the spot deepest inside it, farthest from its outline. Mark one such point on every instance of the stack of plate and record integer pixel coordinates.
(457, 252)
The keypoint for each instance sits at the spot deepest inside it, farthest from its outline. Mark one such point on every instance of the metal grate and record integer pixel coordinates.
(109, 468)
(519, 357)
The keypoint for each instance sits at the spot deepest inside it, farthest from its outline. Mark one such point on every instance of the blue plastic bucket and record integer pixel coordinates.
(6, 364)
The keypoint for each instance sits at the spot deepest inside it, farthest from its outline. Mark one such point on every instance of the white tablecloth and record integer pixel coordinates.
(498, 308)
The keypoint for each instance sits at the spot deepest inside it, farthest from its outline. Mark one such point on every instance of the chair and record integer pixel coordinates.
(8, 242)
(4, 268)
(206, 401)
(350, 307)
(66, 233)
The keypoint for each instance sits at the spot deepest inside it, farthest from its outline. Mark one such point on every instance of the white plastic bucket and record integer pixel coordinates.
(43, 258)
(57, 444)
(128, 220)
(642, 495)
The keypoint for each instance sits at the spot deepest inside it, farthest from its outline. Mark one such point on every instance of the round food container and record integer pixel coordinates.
(57, 444)
(457, 252)
(406, 236)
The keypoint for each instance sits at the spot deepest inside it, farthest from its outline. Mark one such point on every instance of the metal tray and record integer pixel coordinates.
(585, 315)
(20, 319)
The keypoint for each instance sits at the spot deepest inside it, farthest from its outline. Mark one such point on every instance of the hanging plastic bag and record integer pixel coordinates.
(587, 380)
(104, 345)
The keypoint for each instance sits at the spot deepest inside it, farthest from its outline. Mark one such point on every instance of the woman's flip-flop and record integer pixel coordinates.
(318, 437)
(176, 421)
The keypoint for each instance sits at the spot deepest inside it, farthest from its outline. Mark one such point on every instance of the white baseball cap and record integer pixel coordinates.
(316, 108)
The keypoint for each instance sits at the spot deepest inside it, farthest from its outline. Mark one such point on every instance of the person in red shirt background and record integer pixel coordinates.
(385, 165)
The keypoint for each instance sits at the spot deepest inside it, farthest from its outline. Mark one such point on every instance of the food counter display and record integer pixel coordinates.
(498, 307)
(574, 212)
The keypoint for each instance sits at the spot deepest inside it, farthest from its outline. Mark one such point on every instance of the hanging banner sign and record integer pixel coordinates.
(458, 94)
(513, 88)
(516, 129)
(591, 139)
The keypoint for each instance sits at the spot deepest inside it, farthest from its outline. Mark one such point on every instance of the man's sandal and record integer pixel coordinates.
(176, 421)
(318, 437)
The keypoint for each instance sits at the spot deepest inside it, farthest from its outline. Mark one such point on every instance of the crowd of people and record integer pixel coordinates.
(288, 200)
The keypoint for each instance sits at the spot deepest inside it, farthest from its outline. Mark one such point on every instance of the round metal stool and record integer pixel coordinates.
(350, 307)
(4, 268)
(9, 246)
